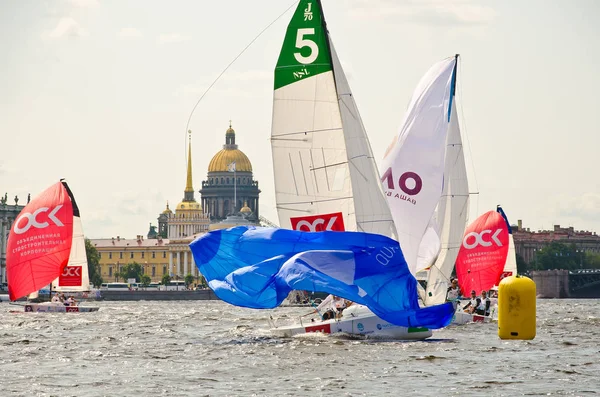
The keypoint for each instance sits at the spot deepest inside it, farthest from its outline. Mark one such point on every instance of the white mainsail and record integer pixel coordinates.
(511, 259)
(75, 277)
(413, 167)
(452, 213)
(322, 160)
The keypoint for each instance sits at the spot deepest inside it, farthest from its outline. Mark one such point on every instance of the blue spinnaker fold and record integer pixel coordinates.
(258, 267)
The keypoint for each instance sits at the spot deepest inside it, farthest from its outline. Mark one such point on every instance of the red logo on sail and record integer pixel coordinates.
(319, 223)
(70, 277)
(39, 242)
(483, 253)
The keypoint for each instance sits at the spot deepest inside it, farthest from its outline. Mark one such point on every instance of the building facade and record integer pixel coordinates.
(152, 254)
(528, 243)
(8, 214)
(229, 185)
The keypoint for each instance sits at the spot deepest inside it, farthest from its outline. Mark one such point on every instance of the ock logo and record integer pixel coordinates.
(319, 223)
(71, 271)
(32, 219)
(475, 239)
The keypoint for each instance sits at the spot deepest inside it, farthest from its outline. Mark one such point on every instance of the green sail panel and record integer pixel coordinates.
(305, 51)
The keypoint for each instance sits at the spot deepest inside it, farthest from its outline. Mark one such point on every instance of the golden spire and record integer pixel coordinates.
(188, 186)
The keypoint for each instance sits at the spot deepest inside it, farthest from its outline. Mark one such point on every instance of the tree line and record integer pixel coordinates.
(557, 255)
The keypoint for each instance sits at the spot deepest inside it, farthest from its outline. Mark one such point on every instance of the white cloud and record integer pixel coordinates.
(129, 33)
(427, 12)
(66, 27)
(172, 38)
(84, 3)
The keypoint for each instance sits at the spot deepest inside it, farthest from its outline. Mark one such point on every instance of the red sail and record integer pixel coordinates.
(482, 255)
(39, 242)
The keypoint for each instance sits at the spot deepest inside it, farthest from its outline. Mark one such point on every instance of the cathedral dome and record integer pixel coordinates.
(167, 211)
(245, 209)
(229, 154)
(224, 157)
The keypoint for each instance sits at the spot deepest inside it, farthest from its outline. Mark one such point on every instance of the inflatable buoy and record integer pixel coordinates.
(516, 308)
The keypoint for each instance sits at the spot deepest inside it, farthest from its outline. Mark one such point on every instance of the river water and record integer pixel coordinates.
(209, 348)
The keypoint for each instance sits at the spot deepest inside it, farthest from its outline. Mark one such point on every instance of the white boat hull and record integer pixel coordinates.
(464, 318)
(461, 317)
(56, 308)
(354, 321)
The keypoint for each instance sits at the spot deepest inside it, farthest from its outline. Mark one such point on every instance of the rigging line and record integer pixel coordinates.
(231, 63)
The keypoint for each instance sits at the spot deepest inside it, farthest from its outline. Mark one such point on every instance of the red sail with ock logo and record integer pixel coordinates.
(39, 242)
(482, 255)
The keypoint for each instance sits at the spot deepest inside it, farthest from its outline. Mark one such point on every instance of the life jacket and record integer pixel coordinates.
(452, 293)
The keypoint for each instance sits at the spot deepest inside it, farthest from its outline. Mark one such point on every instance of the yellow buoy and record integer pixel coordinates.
(516, 308)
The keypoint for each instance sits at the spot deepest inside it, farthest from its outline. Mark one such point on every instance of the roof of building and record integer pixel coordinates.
(228, 155)
(119, 242)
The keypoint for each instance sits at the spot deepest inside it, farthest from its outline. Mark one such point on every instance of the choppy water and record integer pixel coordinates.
(197, 348)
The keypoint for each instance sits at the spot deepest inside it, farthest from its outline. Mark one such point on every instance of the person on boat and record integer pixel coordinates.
(69, 301)
(484, 304)
(453, 292)
(339, 304)
(473, 303)
(55, 299)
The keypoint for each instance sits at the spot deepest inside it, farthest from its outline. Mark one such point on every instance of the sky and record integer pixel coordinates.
(100, 92)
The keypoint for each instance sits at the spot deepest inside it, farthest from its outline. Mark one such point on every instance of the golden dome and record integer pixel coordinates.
(245, 209)
(229, 154)
(167, 210)
(188, 205)
(224, 157)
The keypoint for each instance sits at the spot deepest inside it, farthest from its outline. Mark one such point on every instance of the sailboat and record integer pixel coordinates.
(482, 259)
(326, 181)
(46, 246)
(326, 178)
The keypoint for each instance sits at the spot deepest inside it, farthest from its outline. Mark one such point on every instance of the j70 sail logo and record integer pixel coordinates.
(319, 223)
(409, 182)
(475, 239)
(308, 14)
(33, 221)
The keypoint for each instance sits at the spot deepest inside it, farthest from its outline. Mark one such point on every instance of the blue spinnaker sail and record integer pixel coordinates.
(258, 267)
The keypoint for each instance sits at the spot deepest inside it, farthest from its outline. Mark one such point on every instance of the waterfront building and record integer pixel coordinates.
(152, 254)
(528, 243)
